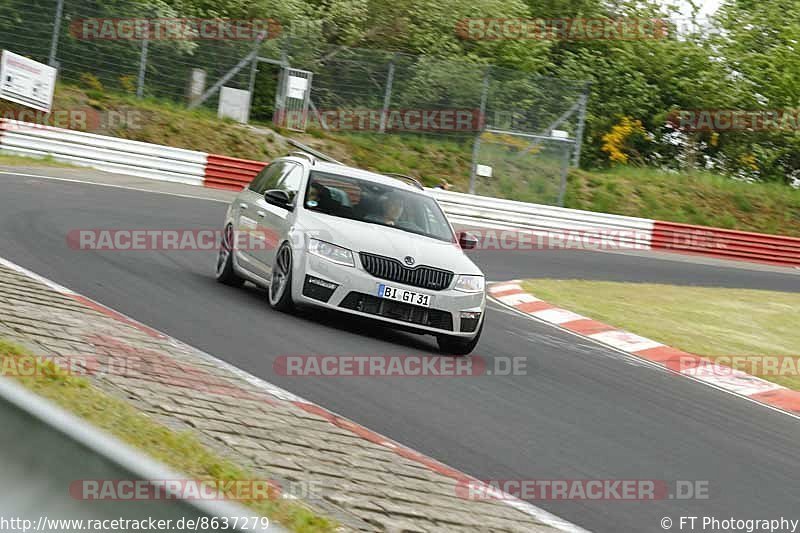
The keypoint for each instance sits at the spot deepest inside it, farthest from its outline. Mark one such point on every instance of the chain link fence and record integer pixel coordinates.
(528, 168)
(521, 125)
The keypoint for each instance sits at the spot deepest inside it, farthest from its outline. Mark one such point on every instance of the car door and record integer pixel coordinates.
(274, 220)
(251, 236)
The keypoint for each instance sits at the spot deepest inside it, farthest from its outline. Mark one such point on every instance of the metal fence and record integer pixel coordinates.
(476, 109)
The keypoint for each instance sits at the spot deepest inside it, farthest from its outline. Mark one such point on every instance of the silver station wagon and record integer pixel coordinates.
(373, 245)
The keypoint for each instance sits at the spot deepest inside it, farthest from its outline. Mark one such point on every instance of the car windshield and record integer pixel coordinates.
(376, 203)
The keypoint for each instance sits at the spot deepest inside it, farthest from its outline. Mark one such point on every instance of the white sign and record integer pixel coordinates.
(297, 87)
(484, 171)
(26, 81)
(559, 134)
(235, 104)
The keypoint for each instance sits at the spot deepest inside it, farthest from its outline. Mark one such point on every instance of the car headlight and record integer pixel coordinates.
(469, 283)
(331, 252)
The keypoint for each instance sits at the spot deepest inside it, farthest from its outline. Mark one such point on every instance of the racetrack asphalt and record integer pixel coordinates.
(581, 411)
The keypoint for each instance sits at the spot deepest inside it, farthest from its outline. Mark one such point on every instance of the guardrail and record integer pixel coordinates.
(499, 213)
(726, 244)
(48, 451)
(230, 173)
(197, 168)
(111, 154)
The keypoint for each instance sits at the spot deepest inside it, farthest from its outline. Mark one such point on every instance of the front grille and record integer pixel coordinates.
(366, 303)
(393, 270)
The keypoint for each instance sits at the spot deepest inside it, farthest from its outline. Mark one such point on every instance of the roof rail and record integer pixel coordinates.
(408, 179)
(316, 153)
(298, 153)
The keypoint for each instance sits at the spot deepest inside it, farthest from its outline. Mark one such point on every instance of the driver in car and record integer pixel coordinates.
(393, 208)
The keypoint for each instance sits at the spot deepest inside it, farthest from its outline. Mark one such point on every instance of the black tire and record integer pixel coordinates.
(280, 287)
(450, 345)
(224, 271)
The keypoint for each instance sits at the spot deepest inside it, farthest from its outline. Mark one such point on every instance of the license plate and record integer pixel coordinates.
(402, 295)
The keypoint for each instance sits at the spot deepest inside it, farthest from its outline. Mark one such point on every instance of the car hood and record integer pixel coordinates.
(390, 242)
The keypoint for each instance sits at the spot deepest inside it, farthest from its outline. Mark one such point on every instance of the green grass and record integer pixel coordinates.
(22, 161)
(520, 172)
(700, 198)
(701, 320)
(179, 450)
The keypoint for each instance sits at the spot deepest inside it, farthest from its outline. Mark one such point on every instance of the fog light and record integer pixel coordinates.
(322, 283)
(469, 321)
(318, 289)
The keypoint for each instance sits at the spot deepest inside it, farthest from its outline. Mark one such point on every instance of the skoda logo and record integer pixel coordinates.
(408, 260)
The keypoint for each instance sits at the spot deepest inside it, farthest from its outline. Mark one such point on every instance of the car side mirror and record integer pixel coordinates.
(278, 197)
(467, 241)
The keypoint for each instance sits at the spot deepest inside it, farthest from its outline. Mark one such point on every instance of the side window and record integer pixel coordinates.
(268, 178)
(291, 178)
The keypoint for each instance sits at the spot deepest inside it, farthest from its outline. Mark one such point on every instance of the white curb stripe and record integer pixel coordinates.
(731, 379)
(505, 287)
(625, 340)
(557, 316)
(518, 298)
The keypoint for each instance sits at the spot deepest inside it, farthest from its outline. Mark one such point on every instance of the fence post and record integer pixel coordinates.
(251, 86)
(142, 63)
(477, 143)
(279, 115)
(252, 56)
(584, 99)
(564, 171)
(387, 95)
(51, 60)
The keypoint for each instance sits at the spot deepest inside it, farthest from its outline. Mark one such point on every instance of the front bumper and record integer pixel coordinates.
(356, 292)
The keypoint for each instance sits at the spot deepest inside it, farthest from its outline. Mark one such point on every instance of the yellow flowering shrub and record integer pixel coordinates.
(615, 142)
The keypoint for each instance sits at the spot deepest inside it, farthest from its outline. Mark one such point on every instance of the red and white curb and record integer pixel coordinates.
(280, 394)
(511, 294)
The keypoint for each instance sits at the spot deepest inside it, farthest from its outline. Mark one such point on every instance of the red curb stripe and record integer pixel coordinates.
(670, 357)
(786, 399)
(431, 464)
(532, 307)
(376, 438)
(506, 292)
(586, 326)
(117, 316)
